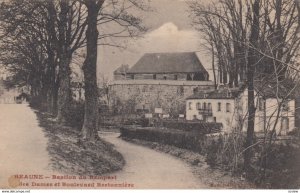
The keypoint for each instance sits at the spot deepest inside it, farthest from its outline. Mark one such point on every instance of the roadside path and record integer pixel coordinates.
(147, 168)
(22, 143)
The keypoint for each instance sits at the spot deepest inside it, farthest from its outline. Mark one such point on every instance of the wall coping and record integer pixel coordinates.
(162, 82)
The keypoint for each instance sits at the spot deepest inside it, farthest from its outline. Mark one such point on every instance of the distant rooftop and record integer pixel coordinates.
(284, 89)
(175, 62)
(222, 93)
(163, 82)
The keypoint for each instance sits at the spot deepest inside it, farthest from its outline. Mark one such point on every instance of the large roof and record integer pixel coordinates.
(272, 89)
(216, 94)
(284, 89)
(175, 62)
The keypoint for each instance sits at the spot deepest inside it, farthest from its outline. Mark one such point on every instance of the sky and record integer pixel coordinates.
(169, 30)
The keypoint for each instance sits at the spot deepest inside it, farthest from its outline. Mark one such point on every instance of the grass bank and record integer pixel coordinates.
(71, 156)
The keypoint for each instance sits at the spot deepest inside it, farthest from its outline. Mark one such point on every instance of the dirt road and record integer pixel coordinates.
(147, 168)
(23, 151)
(22, 143)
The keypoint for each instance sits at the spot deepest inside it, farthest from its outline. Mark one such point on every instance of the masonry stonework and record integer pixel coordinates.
(148, 95)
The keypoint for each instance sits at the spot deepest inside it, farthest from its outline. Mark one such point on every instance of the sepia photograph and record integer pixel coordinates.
(149, 94)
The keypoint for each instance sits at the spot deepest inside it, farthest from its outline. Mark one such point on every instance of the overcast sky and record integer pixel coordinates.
(170, 30)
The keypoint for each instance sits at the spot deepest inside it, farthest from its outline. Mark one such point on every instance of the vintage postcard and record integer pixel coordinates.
(150, 94)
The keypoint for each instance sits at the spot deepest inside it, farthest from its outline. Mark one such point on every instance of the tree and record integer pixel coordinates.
(57, 28)
(224, 26)
(252, 60)
(97, 15)
(255, 42)
(90, 124)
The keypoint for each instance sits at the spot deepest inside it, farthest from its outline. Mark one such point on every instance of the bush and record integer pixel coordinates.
(282, 168)
(182, 139)
(201, 127)
(211, 157)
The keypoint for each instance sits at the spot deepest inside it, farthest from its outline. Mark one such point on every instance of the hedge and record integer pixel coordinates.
(200, 127)
(188, 140)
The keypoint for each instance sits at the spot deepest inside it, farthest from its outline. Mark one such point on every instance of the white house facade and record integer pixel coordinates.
(229, 107)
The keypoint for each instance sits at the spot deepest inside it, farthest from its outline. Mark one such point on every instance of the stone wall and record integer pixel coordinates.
(151, 94)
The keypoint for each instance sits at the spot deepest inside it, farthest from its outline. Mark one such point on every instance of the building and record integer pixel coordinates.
(161, 80)
(213, 106)
(184, 66)
(229, 107)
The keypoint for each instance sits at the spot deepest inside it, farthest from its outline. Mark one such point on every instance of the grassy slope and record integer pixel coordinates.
(70, 156)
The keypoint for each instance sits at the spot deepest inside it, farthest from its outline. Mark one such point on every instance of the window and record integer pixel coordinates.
(198, 106)
(209, 106)
(154, 76)
(175, 77)
(228, 107)
(261, 104)
(219, 106)
(165, 77)
(190, 105)
(204, 105)
(188, 77)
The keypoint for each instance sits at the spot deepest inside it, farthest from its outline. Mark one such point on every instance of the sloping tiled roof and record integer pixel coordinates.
(216, 94)
(283, 89)
(178, 62)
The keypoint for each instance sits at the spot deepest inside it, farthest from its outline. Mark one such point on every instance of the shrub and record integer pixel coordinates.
(281, 168)
(211, 156)
(202, 127)
(182, 139)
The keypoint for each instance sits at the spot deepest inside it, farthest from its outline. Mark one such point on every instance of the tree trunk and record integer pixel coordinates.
(52, 99)
(213, 64)
(52, 50)
(64, 92)
(65, 56)
(250, 83)
(90, 124)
